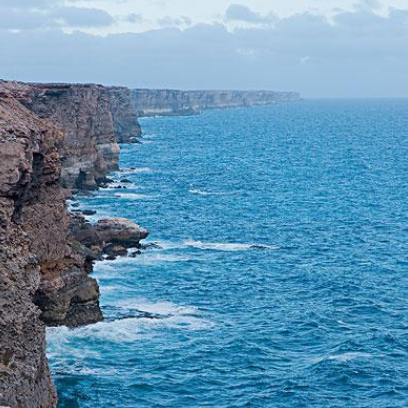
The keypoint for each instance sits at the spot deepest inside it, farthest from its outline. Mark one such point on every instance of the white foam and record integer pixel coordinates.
(163, 245)
(206, 193)
(130, 330)
(225, 246)
(115, 185)
(134, 196)
(344, 357)
(136, 170)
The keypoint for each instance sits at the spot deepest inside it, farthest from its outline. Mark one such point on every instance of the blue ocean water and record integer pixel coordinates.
(279, 277)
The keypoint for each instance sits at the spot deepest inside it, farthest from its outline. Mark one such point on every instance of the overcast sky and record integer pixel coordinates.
(321, 48)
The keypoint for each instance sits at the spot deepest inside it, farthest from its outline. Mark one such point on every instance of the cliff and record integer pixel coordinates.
(125, 122)
(53, 137)
(42, 273)
(173, 102)
(94, 119)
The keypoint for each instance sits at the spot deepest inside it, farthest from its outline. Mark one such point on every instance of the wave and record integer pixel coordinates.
(118, 184)
(207, 193)
(129, 330)
(344, 357)
(136, 170)
(224, 246)
(134, 196)
(152, 258)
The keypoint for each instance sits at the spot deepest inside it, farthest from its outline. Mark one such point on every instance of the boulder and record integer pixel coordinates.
(121, 231)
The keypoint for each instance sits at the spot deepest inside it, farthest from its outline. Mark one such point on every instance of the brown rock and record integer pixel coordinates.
(121, 231)
(94, 118)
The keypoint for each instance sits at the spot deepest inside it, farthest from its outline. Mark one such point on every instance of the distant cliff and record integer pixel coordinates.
(150, 102)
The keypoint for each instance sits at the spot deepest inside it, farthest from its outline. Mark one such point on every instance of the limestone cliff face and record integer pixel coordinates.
(94, 118)
(150, 102)
(90, 149)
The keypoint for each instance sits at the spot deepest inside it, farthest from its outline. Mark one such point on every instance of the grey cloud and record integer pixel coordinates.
(33, 19)
(237, 12)
(134, 18)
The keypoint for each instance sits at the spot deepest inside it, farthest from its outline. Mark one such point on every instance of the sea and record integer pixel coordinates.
(275, 273)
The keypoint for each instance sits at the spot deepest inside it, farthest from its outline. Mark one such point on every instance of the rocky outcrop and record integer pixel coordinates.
(150, 102)
(111, 237)
(94, 118)
(121, 231)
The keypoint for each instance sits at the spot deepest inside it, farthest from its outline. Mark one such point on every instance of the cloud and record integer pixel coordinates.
(169, 21)
(237, 12)
(368, 5)
(134, 18)
(12, 17)
(82, 17)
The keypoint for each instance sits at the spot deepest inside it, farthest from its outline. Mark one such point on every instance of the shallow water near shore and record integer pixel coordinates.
(279, 274)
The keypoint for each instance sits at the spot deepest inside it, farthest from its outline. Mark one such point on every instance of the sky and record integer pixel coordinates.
(320, 48)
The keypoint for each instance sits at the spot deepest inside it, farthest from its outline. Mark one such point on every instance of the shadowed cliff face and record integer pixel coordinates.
(151, 102)
(41, 266)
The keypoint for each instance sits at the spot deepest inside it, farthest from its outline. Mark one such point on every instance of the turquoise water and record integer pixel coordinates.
(279, 277)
